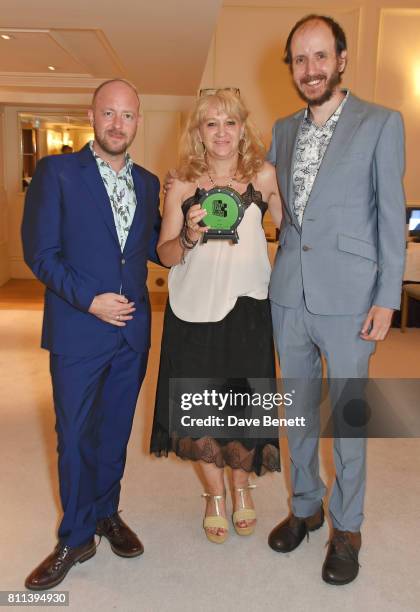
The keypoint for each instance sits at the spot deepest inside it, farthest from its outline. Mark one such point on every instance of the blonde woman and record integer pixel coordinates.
(217, 321)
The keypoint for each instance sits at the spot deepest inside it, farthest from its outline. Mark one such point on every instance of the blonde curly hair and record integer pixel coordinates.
(192, 159)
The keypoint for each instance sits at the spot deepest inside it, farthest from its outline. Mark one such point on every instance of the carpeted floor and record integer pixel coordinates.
(180, 571)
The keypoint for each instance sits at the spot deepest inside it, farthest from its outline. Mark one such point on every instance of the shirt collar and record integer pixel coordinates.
(128, 163)
(334, 117)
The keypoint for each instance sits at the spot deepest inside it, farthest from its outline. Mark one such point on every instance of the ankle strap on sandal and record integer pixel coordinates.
(216, 498)
(241, 491)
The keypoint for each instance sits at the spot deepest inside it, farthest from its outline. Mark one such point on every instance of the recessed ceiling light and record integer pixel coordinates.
(51, 67)
(6, 37)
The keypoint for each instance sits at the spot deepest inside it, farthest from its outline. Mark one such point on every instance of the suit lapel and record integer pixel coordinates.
(348, 123)
(93, 179)
(290, 157)
(140, 189)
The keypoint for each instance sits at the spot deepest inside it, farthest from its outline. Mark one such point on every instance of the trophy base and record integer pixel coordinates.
(214, 234)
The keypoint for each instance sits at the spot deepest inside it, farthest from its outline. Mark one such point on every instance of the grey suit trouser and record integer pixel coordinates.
(300, 338)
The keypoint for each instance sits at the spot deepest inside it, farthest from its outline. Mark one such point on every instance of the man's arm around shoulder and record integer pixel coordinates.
(154, 209)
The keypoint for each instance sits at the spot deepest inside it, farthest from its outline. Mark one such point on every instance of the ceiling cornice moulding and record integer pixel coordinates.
(24, 80)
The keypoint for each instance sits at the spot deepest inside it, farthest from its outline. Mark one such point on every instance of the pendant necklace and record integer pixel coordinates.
(229, 183)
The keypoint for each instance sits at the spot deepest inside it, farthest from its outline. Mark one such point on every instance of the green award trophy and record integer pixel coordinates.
(225, 211)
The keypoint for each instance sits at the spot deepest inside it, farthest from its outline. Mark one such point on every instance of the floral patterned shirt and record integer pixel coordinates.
(312, 142)
(120, 189)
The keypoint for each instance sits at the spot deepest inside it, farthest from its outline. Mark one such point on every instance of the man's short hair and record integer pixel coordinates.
(336, 29)
(98, 89)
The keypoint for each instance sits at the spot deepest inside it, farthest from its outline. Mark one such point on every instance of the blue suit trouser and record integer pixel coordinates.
(95, 399)
(301, 337)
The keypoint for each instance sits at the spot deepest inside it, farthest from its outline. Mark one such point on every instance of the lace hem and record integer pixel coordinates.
(259, 459)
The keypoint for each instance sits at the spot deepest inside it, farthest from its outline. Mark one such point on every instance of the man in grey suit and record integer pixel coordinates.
(338, 273)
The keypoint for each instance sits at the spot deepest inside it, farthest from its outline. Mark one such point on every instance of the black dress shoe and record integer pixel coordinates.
(124, 542)
(287, 535)
(55, 567)
(341, 564)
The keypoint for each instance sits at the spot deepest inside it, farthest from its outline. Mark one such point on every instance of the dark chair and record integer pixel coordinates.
(411, 290)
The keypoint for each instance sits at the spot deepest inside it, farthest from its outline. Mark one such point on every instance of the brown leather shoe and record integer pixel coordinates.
(124, 542)
(56, 566)
(341, 564)
(288, 534)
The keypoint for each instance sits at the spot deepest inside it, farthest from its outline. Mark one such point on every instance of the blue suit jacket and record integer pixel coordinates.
(70, 243)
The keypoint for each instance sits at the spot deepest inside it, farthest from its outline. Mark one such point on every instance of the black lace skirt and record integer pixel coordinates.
(234, 349)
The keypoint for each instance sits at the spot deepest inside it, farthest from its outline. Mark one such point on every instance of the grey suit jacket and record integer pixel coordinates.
(349, 252)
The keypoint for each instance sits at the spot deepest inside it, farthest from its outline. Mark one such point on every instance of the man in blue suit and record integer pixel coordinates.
(90, 224)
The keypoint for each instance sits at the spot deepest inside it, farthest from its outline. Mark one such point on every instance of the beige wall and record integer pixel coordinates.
(4, 258)
(397, 82)
(384, 66)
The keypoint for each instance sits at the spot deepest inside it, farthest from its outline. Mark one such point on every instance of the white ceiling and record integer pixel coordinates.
(159, 45)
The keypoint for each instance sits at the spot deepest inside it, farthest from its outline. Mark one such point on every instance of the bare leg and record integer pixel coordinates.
(213, 478)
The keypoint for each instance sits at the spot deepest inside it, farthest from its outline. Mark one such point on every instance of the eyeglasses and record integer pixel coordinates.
(211, 92)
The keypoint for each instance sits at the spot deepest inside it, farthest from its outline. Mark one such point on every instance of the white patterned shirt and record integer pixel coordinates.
(312, 142)
(122, 196)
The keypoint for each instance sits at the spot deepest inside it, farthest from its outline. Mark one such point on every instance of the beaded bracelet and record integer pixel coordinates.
(186, 243)
(185, 240)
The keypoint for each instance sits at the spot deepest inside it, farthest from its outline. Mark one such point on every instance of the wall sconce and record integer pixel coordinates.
(54, 140)
(66, 139)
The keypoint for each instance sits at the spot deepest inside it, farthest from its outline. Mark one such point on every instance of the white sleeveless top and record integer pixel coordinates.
(206, 286)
